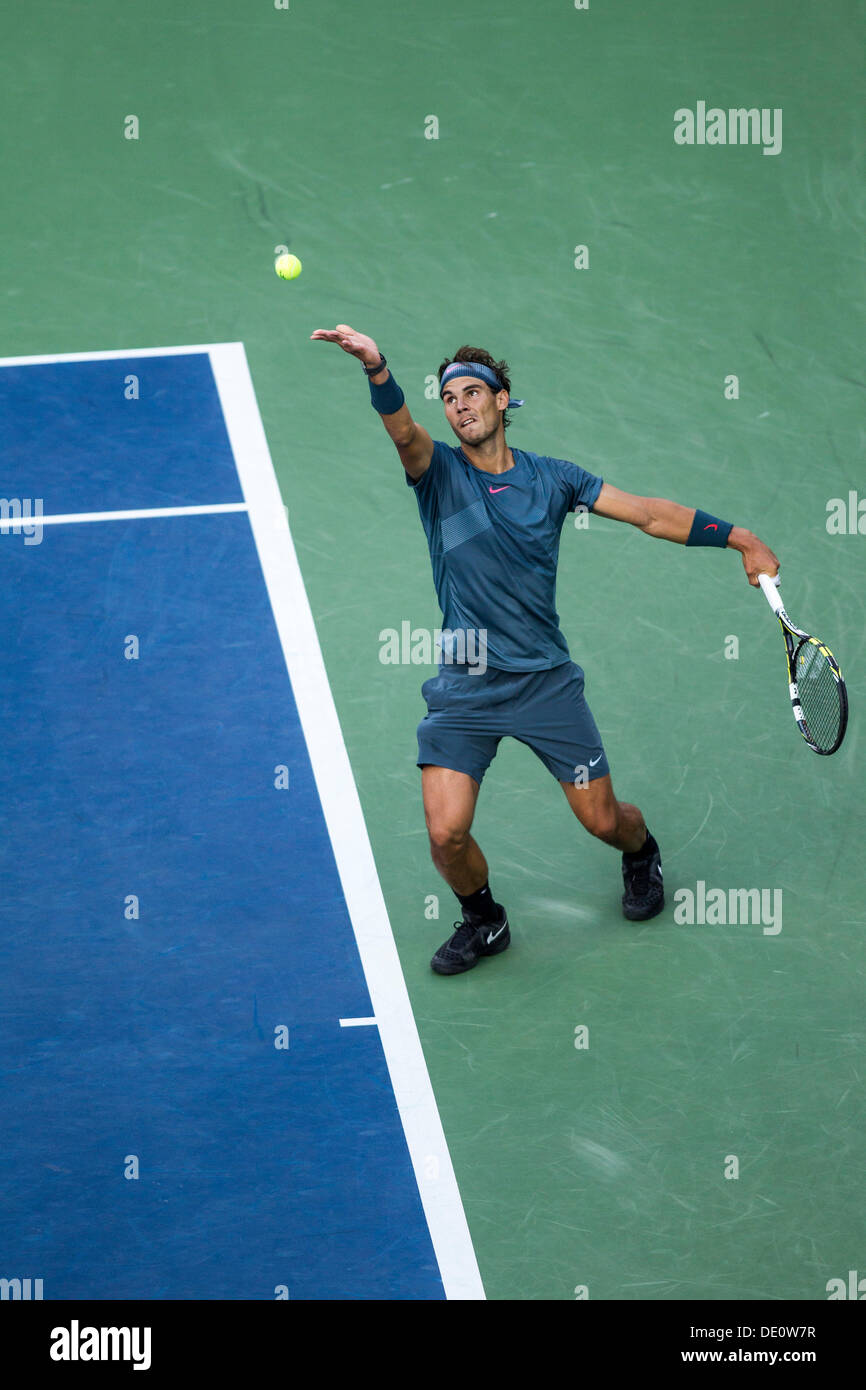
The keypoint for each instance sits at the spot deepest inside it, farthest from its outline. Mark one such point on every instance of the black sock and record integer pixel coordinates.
(479, 904)
(647, 849)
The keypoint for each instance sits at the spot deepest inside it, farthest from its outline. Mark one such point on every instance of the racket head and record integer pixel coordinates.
(818, 695)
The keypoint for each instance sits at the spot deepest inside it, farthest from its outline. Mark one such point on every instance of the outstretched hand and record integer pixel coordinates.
(356, 344)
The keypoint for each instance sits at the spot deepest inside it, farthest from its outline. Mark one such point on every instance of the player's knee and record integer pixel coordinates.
(602, 823)
(446, 838)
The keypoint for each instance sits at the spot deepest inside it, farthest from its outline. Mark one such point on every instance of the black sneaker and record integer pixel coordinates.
(644, 894)
(470, 942)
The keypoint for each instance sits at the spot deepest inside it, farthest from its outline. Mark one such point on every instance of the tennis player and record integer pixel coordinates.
(493, 517)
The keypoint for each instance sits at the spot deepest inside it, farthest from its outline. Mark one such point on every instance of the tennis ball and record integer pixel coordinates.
(287, 267)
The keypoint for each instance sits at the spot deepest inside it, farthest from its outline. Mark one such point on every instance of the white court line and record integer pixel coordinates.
(335, 781)
(63, 519)
(107, 356)
(358, 1022)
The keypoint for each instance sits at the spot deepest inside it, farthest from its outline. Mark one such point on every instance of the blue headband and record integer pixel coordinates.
(478, 369)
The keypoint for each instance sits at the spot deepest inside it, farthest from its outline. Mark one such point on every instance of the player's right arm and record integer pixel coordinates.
(411, 440)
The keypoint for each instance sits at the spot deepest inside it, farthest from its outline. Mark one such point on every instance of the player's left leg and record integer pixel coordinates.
(618, 823)
(554, 719)
(622, 825)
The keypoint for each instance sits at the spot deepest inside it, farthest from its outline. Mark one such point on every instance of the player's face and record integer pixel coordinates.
(472, 409)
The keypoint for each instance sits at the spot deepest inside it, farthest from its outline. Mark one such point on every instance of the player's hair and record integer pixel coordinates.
(474, 354)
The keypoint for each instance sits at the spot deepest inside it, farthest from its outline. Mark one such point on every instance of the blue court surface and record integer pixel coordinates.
(212, 1085)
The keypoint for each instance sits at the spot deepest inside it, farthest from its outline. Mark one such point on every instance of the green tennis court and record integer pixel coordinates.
(659, 1112)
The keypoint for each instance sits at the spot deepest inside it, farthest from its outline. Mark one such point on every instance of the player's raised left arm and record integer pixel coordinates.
(670, 521)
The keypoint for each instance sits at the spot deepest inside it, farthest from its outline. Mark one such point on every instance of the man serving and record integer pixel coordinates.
(493, 517)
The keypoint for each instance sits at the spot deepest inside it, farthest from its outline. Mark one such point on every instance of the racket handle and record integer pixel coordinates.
(770, 587)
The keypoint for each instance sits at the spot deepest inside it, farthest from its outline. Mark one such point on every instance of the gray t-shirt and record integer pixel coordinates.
(494, 544)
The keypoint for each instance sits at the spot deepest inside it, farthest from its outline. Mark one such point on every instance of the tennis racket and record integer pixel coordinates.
(818, 695)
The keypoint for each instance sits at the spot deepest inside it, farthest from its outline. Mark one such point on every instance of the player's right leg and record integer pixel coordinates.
(450, 798)
(449, 808)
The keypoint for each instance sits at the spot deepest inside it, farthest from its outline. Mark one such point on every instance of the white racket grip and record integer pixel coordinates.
(771, 592)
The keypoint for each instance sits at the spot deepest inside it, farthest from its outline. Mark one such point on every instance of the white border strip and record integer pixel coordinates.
(335, 781)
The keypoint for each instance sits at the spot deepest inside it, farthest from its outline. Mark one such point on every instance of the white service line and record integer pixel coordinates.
(132, 515)
(358, 1022)
(344, 818)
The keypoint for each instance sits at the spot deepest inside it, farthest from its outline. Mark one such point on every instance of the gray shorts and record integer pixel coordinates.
(468, 714)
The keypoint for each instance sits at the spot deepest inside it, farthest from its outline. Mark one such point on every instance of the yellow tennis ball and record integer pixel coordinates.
(287, 267)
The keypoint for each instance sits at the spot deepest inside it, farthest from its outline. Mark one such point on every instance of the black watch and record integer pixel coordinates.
(373, 371)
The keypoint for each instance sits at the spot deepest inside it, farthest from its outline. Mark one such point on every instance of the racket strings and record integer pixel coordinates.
(820, 696)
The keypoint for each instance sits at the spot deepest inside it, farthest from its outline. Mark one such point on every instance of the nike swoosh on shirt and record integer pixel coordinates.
(593, 761)
(500, 489)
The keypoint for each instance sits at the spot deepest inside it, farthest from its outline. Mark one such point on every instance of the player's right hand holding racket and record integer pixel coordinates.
(818, 695)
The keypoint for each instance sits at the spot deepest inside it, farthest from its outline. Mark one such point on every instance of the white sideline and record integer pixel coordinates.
(416, 1103)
